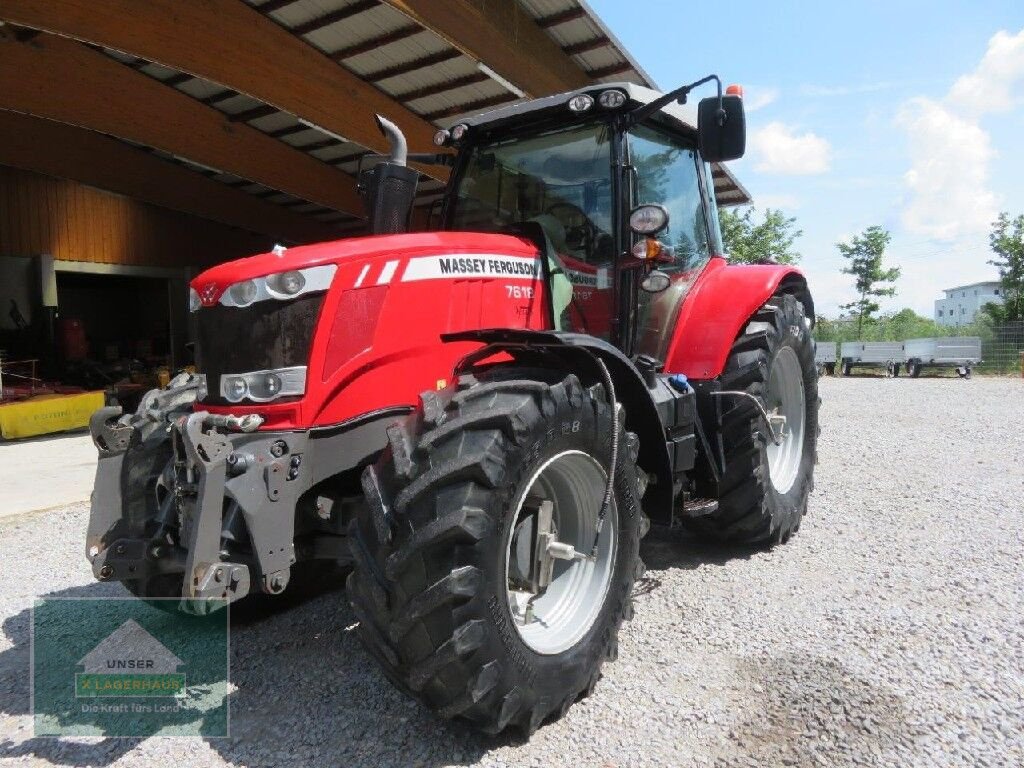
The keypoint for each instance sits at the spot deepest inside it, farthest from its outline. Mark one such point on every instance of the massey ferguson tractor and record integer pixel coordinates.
(482, 420)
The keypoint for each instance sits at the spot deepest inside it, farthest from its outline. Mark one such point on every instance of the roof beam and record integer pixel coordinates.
(263, 110)
(422, 62)
(55, 149)
(61, 80)
(587, 45)
(376, 42)
(471, 107)
(448, 85)
(333, 17)
(275, 5)
(231, 43)
(562, 17)
(504, 36)
(611, 69)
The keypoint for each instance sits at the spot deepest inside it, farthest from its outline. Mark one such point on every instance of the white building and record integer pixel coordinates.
(962, 304)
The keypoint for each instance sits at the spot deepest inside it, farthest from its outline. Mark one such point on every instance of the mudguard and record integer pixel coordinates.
(577, 351)
(715, 310)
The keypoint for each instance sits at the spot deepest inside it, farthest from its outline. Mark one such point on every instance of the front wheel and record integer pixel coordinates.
(476, 581)
(769, 464)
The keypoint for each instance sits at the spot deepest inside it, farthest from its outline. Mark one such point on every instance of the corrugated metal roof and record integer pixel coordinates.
(413, 65)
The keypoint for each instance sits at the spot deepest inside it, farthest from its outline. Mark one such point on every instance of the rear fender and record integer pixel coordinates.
(718, 306)
(575, 352)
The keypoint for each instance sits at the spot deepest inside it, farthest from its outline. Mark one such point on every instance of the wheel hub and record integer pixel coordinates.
(786, 412)
(555, 591)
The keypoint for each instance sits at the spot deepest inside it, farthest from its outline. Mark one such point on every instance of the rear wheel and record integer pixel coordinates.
(913, 370)
(847, 367)
(769, 467)
(473, 581)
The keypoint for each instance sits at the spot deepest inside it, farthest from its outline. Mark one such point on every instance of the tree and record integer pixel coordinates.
(864, 252)
(1007, 240)
(769, 241)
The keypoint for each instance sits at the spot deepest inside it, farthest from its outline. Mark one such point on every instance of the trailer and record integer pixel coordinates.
(959, 352)
(875, 354)
(825, 357)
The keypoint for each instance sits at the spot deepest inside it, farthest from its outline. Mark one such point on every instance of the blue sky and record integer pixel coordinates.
(907, 114)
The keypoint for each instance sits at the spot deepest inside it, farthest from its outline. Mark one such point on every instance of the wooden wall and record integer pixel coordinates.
(70, 221)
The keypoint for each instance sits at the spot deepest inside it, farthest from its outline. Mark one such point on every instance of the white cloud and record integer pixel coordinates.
(948, 178)
(778, 148)
(759, 98)
(990, 87)
(950, 152)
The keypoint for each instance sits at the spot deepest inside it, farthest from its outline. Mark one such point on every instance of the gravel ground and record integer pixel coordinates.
(888, 632)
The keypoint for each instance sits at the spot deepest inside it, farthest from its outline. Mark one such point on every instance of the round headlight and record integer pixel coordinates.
(648, 219)
(611, 99)
(581, 103)
(287, 283)
(243, 293)
(271, 384)
(234, 388)
(458, 131)
(441, 137)
(194, 302)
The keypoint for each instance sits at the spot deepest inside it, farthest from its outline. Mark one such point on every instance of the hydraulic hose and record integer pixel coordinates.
(609, 386)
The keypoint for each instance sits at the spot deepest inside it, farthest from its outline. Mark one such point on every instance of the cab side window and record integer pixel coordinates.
(666, 174)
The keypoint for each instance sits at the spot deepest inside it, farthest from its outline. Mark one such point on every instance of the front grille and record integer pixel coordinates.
(264, 335)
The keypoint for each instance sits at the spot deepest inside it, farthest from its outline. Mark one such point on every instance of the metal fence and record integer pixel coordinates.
(1001, 345)
(1001, 351)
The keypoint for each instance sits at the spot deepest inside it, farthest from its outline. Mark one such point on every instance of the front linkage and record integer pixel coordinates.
(194, 500)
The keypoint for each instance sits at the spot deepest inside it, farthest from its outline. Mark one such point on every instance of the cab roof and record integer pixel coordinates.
(728, 190)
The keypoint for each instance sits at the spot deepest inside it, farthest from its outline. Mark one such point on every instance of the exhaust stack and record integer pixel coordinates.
(389, 188)
(396, 139)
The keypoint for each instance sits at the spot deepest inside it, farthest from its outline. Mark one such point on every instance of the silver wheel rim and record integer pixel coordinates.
(786, 399)
(558, 618)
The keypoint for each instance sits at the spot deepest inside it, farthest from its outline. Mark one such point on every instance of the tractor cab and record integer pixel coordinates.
(618, 180)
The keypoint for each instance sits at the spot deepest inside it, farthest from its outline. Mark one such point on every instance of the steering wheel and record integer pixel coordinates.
(579, 229)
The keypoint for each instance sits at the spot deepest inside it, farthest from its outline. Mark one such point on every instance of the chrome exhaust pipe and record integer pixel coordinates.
(397, 144)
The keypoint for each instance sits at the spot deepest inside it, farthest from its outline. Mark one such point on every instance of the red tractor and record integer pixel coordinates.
(481, 420)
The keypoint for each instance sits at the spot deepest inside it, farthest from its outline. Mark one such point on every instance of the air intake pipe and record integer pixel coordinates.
(389, 188)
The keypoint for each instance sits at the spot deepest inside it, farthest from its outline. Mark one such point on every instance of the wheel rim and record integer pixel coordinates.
(559, 616)
(786, 399)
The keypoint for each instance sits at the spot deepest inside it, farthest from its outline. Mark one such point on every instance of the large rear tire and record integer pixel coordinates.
(437, 549)
(762, 496)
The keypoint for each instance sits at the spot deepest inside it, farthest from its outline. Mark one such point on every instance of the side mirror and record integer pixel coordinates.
(721, 135)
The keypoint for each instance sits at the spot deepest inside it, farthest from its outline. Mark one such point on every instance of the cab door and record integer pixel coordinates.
(668, 171)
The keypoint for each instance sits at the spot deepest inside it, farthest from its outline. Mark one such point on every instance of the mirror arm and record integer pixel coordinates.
(678, 95)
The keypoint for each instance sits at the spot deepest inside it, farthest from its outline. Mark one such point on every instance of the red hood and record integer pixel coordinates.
(212, 283)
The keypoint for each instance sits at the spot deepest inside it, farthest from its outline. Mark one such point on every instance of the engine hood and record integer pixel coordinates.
(211, 284)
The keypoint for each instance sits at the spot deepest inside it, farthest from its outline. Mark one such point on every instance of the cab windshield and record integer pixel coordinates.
(561, 180)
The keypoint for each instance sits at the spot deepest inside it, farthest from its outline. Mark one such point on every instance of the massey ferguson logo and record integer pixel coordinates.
(483, 265)
(471, 266)
(207, 293)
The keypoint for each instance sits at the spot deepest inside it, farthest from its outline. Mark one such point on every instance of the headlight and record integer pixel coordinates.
(263, 386)
(581, 102)
(244, 293)
(280, 286)
(648, 219)
(611, 99)
(286, 283)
